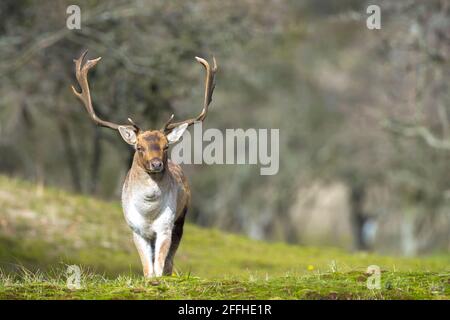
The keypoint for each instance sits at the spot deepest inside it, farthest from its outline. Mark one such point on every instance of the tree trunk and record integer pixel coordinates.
(70, 154)
(357, 215)
(96, 160)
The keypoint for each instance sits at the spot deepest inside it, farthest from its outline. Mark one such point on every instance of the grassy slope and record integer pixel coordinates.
(45, 229)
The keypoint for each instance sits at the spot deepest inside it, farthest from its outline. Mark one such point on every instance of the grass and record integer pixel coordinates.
(42, 230)
(351, 285)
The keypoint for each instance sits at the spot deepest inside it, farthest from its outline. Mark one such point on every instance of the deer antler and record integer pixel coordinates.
(81, 72)
(209, 89)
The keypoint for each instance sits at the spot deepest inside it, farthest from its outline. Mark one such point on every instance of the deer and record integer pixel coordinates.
(155, 194)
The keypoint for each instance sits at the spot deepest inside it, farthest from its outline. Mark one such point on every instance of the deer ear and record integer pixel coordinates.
(128, 134)
(176, 133)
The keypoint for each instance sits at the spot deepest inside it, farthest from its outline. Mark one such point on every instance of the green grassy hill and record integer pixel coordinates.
(44, 230)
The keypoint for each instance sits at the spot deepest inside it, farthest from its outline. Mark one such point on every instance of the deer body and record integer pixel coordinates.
(155, 194)
(152, 206)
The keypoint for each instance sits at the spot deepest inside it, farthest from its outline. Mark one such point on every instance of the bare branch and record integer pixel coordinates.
(414, 131)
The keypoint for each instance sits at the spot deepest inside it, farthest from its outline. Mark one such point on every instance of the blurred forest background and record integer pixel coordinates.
(364, 115)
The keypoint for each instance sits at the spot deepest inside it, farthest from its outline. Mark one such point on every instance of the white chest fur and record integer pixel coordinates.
(149, 207)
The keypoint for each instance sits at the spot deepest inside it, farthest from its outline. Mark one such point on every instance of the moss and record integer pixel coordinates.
(403, 285)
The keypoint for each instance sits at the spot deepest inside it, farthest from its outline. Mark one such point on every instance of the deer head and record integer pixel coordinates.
(150, 145)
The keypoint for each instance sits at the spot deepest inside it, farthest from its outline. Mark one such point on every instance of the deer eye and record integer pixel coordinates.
(139, 148)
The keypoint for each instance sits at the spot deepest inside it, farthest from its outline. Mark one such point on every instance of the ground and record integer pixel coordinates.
(44, 230)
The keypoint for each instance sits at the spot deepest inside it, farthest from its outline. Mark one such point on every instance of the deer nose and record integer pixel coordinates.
(156, 164)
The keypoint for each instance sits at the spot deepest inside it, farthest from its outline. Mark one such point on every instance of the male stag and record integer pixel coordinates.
(155, 194)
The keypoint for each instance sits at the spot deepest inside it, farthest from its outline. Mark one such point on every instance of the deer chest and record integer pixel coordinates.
(149, 211)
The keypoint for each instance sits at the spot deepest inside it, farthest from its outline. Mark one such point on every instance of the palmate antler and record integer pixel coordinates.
(209, 89)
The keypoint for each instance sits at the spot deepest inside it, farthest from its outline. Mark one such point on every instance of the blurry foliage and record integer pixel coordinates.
(341, 95)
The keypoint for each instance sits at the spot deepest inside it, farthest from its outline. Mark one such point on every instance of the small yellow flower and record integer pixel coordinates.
(310, 267)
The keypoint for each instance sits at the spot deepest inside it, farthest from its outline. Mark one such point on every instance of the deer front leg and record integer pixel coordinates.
(145, 250)
(177, 234)
(162, 246)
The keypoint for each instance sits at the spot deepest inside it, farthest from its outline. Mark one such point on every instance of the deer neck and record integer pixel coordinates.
(144, 178)
(146, 194)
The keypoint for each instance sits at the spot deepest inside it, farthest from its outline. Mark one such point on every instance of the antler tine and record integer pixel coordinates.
(165, 127)
(209, 89)
(135, 126)
(81, 73)
(209, 83)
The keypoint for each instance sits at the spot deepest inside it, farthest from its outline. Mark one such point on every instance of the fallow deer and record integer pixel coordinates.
(155, 194)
